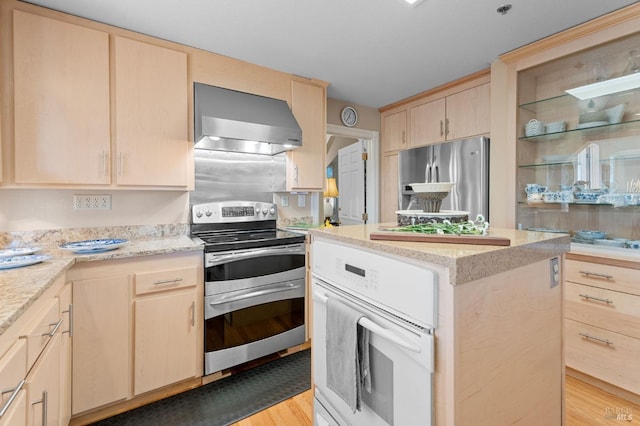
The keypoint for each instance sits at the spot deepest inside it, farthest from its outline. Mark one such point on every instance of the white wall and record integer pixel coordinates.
(25, 209)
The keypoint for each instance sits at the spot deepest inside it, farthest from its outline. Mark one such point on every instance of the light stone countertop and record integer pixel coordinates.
(21, 287)
(465, 262)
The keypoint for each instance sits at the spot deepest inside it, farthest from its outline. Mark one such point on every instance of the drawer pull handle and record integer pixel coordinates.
(171, 281)
(56, 326)
(597, 299)
(14, 393)
(595, 274)
(598, 339)
(70, 312)
(45, 405)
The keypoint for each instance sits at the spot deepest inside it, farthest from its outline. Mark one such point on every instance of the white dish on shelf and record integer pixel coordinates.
(592, 124)
(18, 251)
(614, 114)
(94, 246)
(20, 261)
(432, 186)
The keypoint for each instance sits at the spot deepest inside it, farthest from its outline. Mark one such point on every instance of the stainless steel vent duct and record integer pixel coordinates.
(228, 120)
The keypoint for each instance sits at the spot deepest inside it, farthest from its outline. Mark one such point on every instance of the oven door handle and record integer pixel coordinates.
(385, 333)
(240, 255)
(275, 289)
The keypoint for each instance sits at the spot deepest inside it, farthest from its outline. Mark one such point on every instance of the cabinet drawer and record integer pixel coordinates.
(13, 369)
(611, 310)
(41, 331)
(605, 276)
(611, 358)
(166, 279)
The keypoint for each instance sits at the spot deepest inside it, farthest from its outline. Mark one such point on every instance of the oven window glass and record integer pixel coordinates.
(253, 323)
(380, 399)
(254, 267)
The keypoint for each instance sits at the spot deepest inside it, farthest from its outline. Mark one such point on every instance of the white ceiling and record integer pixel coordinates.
(373, 52)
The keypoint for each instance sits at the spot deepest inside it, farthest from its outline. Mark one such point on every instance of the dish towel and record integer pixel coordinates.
(347, 347)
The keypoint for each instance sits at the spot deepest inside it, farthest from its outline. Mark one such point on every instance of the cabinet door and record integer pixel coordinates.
(389, 195)
(166, 339)
(43, 387)
(100, 342)
(13, 369)
(66, 309)
(151, 114)
(468, 112)
(394, 131)
(427, 123)
(305, 165)
(61, 102)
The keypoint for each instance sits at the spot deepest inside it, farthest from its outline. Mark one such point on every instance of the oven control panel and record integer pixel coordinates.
(233, 211)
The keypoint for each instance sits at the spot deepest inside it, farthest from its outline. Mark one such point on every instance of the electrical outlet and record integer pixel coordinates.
(301, 200)
(92, 202)
(284, 201)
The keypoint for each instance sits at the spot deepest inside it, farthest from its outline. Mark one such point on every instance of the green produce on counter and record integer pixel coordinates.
(477, 227)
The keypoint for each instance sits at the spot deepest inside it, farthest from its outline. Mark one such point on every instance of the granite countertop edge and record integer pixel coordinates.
(465, 262)
(21, 287)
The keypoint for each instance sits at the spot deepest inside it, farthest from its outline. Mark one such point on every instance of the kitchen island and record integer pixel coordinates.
(498, 340)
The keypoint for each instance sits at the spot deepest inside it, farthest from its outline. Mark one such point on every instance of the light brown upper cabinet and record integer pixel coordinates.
(394, 131)
(61, 102)
(459, 115)
(151, 116)
(468, 112)
(306, 164)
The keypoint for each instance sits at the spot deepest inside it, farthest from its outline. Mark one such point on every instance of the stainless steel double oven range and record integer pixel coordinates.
(254, 282)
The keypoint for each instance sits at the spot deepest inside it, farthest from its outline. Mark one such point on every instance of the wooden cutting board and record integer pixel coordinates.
(439, 238)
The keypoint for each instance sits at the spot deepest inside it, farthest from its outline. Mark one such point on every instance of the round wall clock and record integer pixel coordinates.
(349, 116)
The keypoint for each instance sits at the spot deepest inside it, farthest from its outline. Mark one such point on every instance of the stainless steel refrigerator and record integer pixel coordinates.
(464, 161)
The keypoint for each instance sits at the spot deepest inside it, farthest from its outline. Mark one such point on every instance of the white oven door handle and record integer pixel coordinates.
(276, 289)
(378, 330)
(248, 254)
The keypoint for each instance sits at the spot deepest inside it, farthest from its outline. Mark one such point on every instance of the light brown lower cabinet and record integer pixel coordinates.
(138, 327)
(43, 387)
(13, 369)
(602, 322)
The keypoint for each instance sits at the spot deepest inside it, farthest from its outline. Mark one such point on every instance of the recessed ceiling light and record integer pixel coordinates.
(413, 2)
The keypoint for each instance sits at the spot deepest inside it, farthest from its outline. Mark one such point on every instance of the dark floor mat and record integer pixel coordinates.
(227, 400)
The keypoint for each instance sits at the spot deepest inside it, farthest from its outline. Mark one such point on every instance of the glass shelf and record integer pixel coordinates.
(567, 101)
(573, 162)
(604, 130)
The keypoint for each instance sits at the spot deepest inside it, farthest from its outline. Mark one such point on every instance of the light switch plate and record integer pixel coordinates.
(554, 272)
(301, 200)
(284, 201)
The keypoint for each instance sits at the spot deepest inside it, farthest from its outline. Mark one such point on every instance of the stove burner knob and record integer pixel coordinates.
(199, 213)
(264, 211)
(208, 213)
(272, 211)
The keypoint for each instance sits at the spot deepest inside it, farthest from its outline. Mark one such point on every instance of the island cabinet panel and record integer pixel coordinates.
(151, 114)
(100, 342)
(508, 351)
(306, 164)
(602, 322)
(61, 102)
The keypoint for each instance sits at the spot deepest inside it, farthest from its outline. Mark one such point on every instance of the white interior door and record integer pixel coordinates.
(351, 187)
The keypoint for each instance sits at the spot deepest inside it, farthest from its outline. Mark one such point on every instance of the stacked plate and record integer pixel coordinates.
(20, 256)
(93, 246)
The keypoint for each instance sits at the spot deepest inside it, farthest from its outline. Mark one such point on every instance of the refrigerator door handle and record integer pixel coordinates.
(437, 174)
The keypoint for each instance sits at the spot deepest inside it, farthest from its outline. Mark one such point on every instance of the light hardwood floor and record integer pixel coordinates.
(585, 406)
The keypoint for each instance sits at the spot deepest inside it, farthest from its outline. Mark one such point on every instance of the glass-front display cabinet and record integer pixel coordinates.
(578, 149)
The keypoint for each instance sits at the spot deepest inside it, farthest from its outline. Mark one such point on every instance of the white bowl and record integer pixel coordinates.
(432, 187)
(614, 114)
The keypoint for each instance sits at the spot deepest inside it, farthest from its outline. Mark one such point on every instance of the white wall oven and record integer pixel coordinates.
(395, 307)
(254, 282)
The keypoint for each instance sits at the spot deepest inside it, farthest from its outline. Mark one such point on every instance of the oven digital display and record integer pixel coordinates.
(354, 270)
(238, 211)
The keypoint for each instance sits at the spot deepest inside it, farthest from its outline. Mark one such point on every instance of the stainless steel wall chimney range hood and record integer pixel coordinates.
(228, 120)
